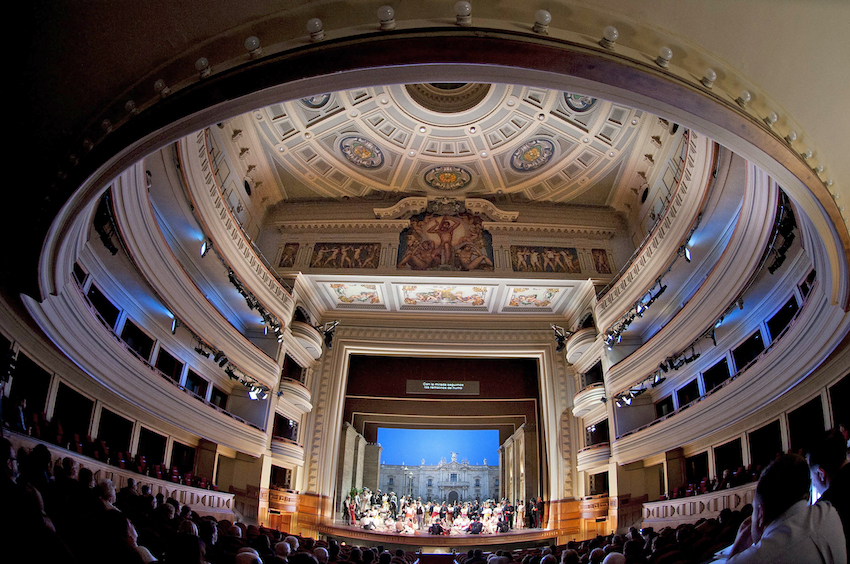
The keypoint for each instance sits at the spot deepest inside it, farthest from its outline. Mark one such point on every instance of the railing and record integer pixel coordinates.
(204, 502)
(726, 382)
(156, 370)
(674, 512)
(644, 244)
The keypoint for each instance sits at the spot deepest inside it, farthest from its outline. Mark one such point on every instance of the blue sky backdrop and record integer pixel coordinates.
(410, 446)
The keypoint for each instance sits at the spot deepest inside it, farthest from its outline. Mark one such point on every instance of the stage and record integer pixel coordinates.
(516, 538)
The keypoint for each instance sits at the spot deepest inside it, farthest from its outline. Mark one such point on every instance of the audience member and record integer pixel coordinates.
(830, 472)
(783, 527)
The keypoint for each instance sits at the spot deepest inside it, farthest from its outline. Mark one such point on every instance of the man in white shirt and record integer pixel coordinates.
(783, 527)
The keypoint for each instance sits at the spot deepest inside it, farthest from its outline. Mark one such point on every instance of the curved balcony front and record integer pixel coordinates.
(287, 453)
(294, 399)
(587, 398)
(579, 342)
(593, 456)
(309, 337)
(594, 506)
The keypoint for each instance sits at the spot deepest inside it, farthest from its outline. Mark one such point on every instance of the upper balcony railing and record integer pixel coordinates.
(655, 253)
(234, 246)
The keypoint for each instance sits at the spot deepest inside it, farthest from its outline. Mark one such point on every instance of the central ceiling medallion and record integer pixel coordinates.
(448, 177)
(361, 152)
(448, 97)
(532, 154)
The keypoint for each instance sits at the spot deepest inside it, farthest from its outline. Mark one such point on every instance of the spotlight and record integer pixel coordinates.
(687, 254)
(202, 352)
(628, 399)
(262, 394)
(174, 326)
(718, 323)
(561, 336)
(218, 356)
(664, 367)
(253, 393)
(205, 247)
(657, 380)
(222, 362)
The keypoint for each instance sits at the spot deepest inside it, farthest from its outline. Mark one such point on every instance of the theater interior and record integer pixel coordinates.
(246, 238)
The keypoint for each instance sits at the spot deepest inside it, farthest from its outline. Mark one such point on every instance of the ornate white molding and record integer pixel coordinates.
(657, 250)
(287, 453)
(230, 241)
(579, 342)
(593, 457)
(479, 206)
(405, 207)
(68, 322)
(587, 398)
(294, 397)
(554, 228)
(674, 512)
(155, 261)
(343, 225)
(309, 338)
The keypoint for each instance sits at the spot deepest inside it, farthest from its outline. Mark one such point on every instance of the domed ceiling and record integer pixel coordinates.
(446, 139)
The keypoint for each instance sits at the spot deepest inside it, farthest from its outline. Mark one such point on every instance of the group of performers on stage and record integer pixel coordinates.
(388, 513)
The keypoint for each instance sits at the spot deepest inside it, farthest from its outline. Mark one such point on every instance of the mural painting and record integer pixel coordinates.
(346, 255)
(356, 293)
(532, 297)
(600, 261)
(445, 295)
(287, 256)
(445, 242)
(545, 259)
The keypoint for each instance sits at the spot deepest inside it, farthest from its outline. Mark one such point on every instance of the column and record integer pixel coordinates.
(372, 466)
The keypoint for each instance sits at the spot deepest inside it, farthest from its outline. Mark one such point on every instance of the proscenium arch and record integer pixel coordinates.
(455, 55)
(322, 453)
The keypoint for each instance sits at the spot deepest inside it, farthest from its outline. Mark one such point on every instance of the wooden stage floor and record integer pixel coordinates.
(515, 538)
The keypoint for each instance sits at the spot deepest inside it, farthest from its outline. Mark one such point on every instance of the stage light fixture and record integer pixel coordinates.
(205, 247)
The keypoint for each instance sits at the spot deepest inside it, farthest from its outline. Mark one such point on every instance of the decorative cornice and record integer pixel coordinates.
(587, 231)
(479, 206)
(341, 224)
(406, 207)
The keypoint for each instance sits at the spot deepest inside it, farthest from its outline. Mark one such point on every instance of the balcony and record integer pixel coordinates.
(204, 502)
(308, 337)
(674, 512)
(593, 456)
(287, 453)
(587, 398)
(579, 342)
(594, 506)
(294, 398)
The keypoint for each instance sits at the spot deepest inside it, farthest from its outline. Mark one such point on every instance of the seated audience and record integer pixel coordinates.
(783, 527)
(830, 471)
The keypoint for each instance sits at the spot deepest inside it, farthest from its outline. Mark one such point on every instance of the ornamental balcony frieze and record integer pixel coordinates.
(593, 507)
(151, 255)
(309, 337)
(287, 453)
(653, 256)
(674, 512)
(231, 243)
(294, 398)
(579, 342)
(593, 457)
(588, 398)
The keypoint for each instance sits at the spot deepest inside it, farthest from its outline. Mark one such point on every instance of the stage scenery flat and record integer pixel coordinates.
(445, 242)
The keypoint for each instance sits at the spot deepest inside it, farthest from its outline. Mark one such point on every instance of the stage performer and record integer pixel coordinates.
(520, 514)
(509, 514)
(540, 509)
(420, 516)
